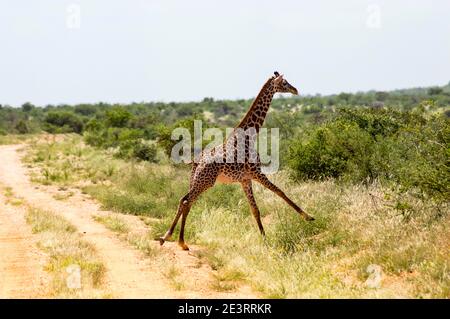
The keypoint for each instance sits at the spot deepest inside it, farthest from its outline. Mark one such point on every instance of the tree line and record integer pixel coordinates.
(399, 137)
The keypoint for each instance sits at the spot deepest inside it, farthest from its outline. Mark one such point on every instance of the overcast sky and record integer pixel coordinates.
(146, 50)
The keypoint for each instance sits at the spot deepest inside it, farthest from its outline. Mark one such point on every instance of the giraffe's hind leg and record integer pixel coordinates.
(247, 187)
(180, 209)
(202, 178)
(200, 184)
(261, 178)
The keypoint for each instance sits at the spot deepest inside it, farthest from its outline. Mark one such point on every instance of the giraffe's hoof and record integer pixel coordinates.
(309, 218)
(183, 246)
(161, 241)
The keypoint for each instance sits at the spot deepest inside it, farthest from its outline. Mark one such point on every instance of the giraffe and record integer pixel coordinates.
(222, 163)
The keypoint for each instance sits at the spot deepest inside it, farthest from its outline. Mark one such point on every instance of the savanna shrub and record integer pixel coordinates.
(331, 151)
(118, 117)
(129, 143)
(145, 152)
(22, 127)
(63, 122)
(409, 148)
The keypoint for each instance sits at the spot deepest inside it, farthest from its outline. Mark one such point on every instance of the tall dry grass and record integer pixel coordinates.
(67, 252)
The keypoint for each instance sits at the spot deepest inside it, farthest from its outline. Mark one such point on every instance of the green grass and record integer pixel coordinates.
(355, 226)
(69, 162)
(113, 223)
(227, 279)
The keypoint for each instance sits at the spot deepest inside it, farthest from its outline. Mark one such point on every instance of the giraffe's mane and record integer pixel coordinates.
(255, 102)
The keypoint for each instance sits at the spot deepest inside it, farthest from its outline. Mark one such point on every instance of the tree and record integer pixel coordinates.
(22, 127)
(85, 109)
(381, 96)
(118, 117)
(435, 91)
(63, 122)
(27, 107)
(345, 96)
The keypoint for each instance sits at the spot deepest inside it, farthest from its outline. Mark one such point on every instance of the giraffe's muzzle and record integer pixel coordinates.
(293, 90)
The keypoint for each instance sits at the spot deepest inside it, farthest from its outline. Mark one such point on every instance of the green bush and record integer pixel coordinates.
(63, 122)
(145, 152)
(333, 149)
(85, 109)
(94, 125)
(129, 143)
(409, 148)
(22, 127)
(118, 117)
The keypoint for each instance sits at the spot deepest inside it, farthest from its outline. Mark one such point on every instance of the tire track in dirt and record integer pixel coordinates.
(21, 262)
(128, 274)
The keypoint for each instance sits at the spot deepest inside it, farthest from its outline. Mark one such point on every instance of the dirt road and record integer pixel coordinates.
(128, 273)
(21, 262)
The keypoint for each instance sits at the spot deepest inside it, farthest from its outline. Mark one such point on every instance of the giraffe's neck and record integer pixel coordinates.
(257, 113)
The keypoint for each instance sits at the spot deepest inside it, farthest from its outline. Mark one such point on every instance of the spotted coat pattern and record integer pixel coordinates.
(235, 161)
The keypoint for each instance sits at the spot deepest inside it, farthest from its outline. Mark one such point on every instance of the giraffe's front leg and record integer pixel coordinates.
(261, 178)
(247, 187)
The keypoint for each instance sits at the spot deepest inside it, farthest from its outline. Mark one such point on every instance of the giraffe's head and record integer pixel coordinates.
(283, 86)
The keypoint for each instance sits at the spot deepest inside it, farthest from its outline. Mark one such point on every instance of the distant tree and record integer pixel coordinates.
(27, 107)
(331, 101)
(435, 91)
(22, 127)
(118, 117)
(381, 96)
(185, 110)
(85, 109)
(208, 100)
(345, 96)
(93, 125)
(63, 122)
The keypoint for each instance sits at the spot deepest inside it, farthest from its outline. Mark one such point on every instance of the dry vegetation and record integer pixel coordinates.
(66, 252)
(356, 226)
(14, 138)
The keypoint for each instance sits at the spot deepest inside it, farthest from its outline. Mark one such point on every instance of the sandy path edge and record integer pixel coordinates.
(21, 262)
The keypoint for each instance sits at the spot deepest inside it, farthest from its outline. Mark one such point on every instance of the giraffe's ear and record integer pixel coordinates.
(278, 78)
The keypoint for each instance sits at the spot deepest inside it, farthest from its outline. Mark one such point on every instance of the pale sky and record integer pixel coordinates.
(179, 50)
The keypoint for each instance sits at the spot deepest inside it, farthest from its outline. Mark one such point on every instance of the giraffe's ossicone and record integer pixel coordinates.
(235, 161)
